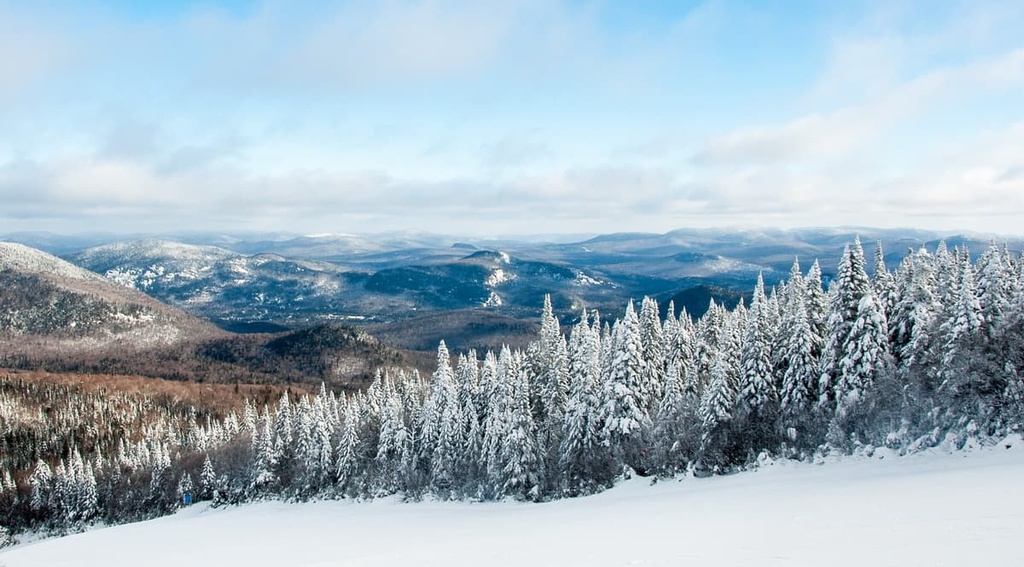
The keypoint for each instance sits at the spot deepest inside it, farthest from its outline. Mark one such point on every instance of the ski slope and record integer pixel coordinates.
(933, 509)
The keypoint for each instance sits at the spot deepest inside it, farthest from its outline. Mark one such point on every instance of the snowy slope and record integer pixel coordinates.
(21, 258)
(932, 509)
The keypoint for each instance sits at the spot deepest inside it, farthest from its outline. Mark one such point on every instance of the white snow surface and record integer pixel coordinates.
(935, 509)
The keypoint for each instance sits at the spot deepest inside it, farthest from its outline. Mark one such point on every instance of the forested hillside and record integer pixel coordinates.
(930, 353)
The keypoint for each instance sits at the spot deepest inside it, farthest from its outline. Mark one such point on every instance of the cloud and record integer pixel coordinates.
(840, 131)
(809, 136)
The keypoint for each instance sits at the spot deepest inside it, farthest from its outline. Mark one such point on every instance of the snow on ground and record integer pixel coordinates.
(930, 509)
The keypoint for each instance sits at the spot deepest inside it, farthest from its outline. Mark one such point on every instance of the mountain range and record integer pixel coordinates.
(412, 289)
(60, 317)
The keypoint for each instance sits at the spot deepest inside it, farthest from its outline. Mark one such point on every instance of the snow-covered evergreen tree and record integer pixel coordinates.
(801, 349)
(207, 480)
(625, 421)
(583, 459)
(758, 397)
(522, 473)
(652, 376)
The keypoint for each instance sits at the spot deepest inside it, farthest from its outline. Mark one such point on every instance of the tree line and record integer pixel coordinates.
(930, 353)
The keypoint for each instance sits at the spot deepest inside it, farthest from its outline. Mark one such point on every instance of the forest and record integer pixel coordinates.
(929, 353)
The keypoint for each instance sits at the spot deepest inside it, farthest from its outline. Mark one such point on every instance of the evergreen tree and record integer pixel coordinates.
(854, 351)
(716, 409)
(185, 485)
(40, 482)
(965, 379)
(884, 284)
(347, 467)
(652, 376)
(996, 287)
(506, 370)
(207, 480)
(758, 397)
(549, 367)
(522, 472)
(623, 415)
(800, 353)
(582, 457)
(816, 301)
(449, 445)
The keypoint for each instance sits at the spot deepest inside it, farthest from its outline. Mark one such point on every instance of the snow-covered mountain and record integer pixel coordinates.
(48, 297)
(264, 282)
(59, 316)
(237, 290)
(220, 284)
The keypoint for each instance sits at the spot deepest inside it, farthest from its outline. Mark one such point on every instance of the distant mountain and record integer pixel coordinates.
(43, 295)
(219, 284)
(273, 282)
(236, 290)
(58, 316)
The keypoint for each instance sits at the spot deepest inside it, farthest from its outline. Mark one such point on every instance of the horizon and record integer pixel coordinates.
(521, 117)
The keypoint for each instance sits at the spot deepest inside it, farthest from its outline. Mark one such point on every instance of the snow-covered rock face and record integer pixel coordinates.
(583, 279)
(498, 277)
(493, 300)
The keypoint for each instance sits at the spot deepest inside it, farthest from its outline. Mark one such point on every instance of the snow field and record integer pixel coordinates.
(933, 509)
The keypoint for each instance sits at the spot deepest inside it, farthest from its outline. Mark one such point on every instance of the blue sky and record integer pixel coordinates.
(512, 117)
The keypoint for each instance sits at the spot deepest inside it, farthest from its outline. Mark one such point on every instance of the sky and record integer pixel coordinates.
(481, 117)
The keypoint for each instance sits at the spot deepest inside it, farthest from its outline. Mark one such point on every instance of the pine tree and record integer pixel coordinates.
(347, 462)
(441, 384)
(845, 377)
(800, 353)
(884, 284)
(208, 480)
(449, 442)
(506, 370)
(996, 286)
(467, 377)
(857, 356)
(185, 485)
(40, 482)
(672, 427)
(758, 397)
(963, 379)
(625, 421)
(913, 315)
(816, 301)
(582, 458)
(391, 445)
(549, 366)
(522, 471)
(652, 377)
(716, 406)
(866, 361)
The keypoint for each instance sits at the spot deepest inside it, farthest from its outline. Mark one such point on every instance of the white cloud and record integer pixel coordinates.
(835, 133)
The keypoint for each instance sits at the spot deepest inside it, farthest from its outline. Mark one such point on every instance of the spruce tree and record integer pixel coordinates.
(758, 397)
(623, 415)
(207, 480)
(581, 455)
(800, 352)
(652, 377)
